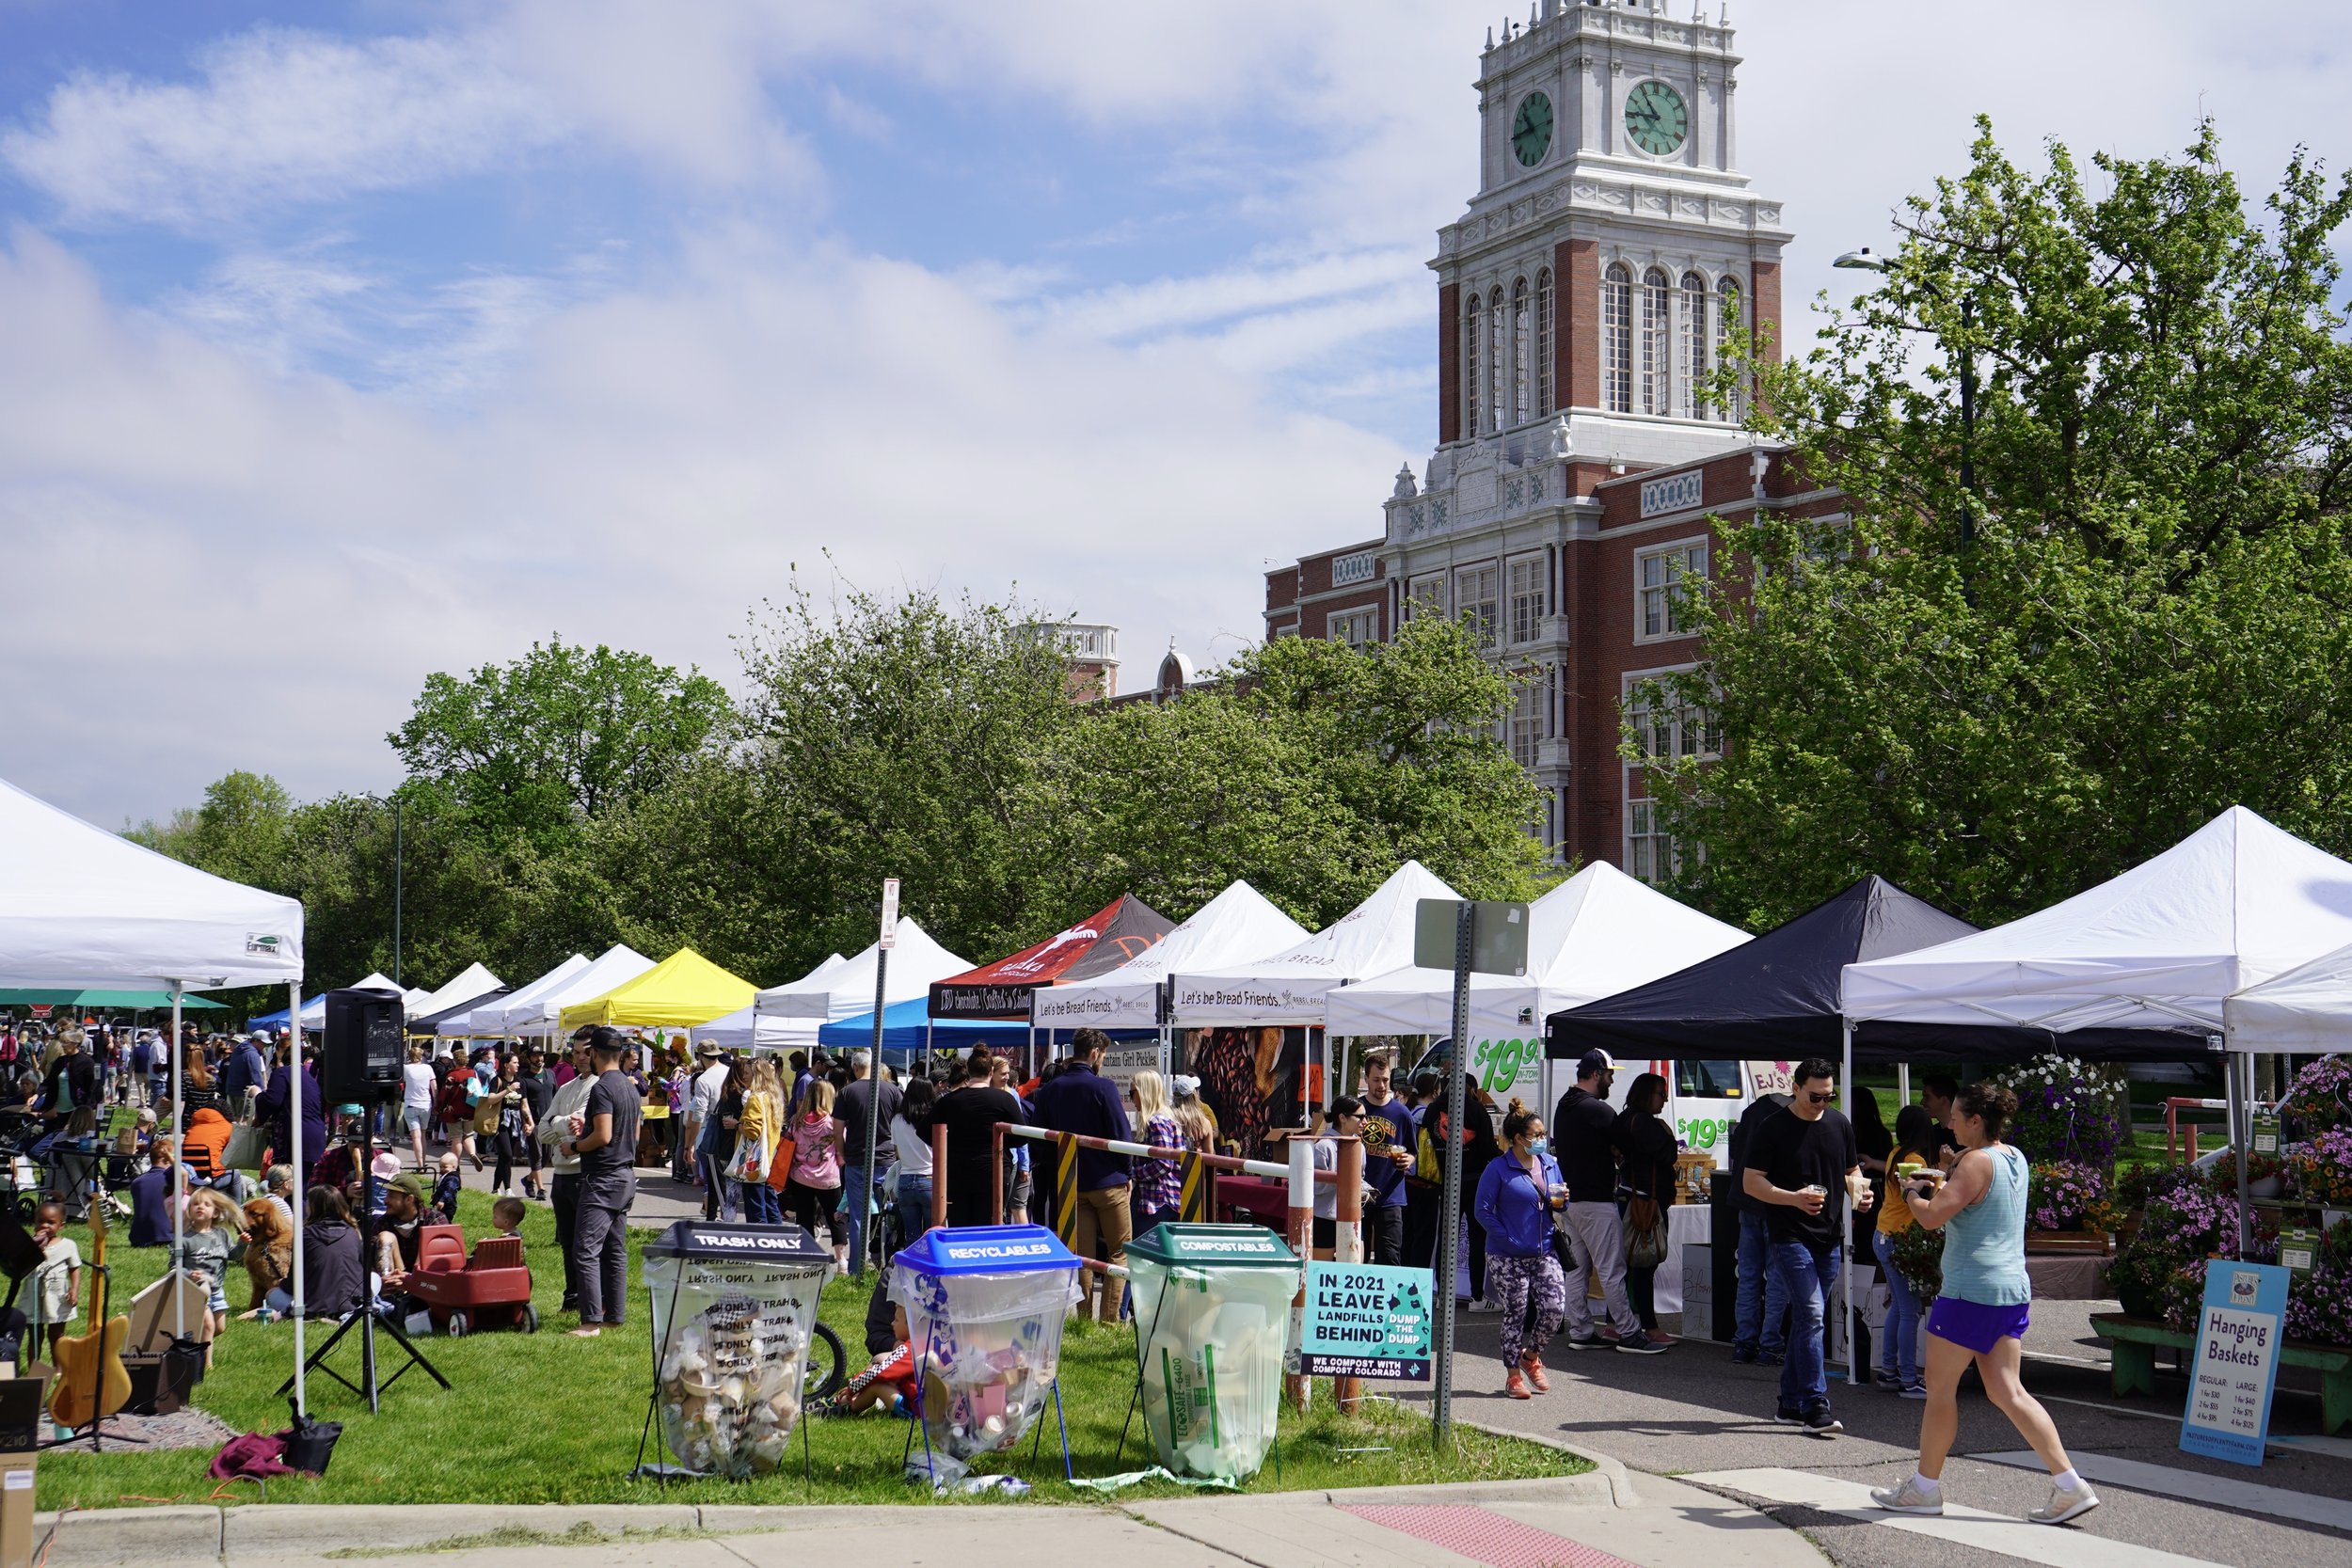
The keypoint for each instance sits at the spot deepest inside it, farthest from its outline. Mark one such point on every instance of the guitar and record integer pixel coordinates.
(92, 1383)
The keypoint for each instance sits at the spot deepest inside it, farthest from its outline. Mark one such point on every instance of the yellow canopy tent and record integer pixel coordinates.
(681, 992)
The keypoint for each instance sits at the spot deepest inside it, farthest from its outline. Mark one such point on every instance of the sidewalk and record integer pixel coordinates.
(1602, 1520)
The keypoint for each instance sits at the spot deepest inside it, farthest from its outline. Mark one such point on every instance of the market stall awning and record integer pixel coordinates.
(1595, 933)
(1117, 932)
(847, 987)
(748, 1029)
(516, 1014)
(909, 1027)
(2307, 1008)
(136, 1001)
(480, 1017)
(314, 1008)
(474, 982)
(1775, 997)
(81, 908)
(1238, 926)
(1289, 988)
(681, 992)
(2155, 950)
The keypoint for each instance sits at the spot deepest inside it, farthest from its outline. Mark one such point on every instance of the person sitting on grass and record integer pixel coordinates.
(334, 1264)
(891, 1383)
(151, 1194)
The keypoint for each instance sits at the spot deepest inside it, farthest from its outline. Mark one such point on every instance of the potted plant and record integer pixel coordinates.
(2319, 1303)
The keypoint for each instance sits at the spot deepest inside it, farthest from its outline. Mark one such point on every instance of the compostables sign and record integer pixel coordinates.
(1365, 1320)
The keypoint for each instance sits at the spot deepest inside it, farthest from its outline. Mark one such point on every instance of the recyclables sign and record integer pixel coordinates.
(1365, 1320)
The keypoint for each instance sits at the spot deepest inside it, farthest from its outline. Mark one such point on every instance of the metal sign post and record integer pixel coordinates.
(882, 945)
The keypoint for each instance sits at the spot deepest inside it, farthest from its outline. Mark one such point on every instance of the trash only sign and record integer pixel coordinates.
(1364, 1320)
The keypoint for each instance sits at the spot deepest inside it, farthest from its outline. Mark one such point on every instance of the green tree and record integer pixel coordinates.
(557, 736)
(2151, 621)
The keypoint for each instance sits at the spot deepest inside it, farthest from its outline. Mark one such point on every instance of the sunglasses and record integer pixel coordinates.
(1818, 1097)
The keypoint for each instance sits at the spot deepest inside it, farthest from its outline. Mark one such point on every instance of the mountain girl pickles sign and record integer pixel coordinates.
(1364, 1320)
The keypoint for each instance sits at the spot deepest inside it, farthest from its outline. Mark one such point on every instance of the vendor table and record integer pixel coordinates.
(2068, 1276)
(1687, 1225)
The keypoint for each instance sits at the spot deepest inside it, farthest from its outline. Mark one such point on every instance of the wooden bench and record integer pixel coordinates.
(2133, 1343)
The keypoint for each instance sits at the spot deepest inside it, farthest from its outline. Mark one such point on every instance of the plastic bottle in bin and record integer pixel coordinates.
(985, 1306)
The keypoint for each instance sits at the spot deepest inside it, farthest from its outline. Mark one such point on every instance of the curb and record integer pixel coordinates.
(1610, 1472)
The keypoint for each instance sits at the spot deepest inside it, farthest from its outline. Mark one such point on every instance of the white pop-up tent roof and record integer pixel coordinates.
(1237, 926)
(466, 983)
(747, 1028)
(538, 1015)
(844, 991)
(1289, 988)
(2309, 1008)
(485, 1018)
(83, 907)
(2234, 904)
(1595, 934)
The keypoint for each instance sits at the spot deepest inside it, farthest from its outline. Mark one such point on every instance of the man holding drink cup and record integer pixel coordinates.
(1794, 1163)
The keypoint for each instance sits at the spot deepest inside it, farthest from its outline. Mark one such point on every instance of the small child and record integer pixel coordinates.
(506, 1217)
(58, 1282)
(204, 1249)
(891, 1383)
(445, 1189)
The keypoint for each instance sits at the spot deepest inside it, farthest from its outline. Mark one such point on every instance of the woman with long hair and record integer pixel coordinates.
(1517, 1196)
(813, 1192)
(1898, 1348)
(1192, 1113)
(1647, 1147)
(514, 1126)
(910, 1139)
(760, 1127)
(1157, 1191)
(1979, 1317)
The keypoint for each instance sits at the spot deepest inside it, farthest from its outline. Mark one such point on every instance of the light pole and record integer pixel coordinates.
(1864, 261)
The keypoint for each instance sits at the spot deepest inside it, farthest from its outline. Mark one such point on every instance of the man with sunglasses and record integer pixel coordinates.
(1795, 1164)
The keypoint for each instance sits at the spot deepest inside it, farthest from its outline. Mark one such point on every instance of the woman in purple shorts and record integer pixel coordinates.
(1981, 1312)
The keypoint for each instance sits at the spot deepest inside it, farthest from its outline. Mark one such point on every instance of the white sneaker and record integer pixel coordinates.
(1907, 1498)
(2064, 1505)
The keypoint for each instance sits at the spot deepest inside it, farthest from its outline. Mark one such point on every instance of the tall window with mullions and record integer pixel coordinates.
(1543, 343)
(1693, 334)
(1616, 338)
(1657, 343)
(1474, 333)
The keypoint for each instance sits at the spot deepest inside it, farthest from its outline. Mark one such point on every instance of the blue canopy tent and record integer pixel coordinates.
(909, 1032)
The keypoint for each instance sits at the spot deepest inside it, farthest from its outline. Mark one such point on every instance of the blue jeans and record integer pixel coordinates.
(1762, 1301)
(857, 1197)
(1808, 1278)
(915, 1205)
(762, 1204)
(1900, 1354)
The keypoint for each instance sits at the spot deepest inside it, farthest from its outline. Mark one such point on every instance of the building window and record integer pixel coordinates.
(1426, 598)
(1616, 338)
(1358, 629)
(1692, 338)
(1670, 734)
(1726, 312)
(1523, 356)
(1528, 724)
(1656, 391)
(1543, 343)
(1475, 591)
(1527, 599)
(1650, 854)
(1659, 577)
(1497, 362)
(1474, 327)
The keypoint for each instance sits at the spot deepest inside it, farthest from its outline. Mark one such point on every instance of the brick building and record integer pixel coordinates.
(1582, 300)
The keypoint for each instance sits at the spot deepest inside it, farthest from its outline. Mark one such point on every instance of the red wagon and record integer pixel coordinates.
(492, 1290)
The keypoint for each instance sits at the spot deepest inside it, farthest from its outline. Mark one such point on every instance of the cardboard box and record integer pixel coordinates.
(21, 1401)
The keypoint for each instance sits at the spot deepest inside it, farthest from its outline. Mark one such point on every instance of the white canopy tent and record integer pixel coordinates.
(473, 981)
(1595, 934)
(81, 906)
(748, 1029)
(1289, 988)
(847, 991)
(541, 1014)
(2159, 949)
(483, 1020)
(2307, 1008)
(1240, 925)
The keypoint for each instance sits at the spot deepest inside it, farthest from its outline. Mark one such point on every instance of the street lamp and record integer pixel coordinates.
(1864, 261)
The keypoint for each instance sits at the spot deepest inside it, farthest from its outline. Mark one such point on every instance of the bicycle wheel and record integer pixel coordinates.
(828, 1364)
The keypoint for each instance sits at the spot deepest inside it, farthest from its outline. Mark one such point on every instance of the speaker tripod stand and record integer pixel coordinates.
(368, 1387)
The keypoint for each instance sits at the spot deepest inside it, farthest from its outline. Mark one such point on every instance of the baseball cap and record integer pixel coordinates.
(411, 1184)
(1595, 1061)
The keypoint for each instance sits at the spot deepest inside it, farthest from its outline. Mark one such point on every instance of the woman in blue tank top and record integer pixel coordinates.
(1980, 1314)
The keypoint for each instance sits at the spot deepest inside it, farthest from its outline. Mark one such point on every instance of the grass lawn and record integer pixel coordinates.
(546, 1417)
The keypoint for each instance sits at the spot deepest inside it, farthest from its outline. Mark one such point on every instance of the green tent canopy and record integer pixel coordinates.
(138, 1001)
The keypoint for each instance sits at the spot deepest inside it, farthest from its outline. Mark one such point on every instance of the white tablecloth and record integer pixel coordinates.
(1687, 1225)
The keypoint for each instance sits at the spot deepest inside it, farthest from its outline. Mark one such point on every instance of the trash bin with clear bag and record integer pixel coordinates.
(1213, 1312)
(733, 1306)
(985, 1306)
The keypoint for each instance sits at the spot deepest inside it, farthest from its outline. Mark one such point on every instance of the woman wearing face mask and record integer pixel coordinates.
(1516, 1198)
(1647, 1146)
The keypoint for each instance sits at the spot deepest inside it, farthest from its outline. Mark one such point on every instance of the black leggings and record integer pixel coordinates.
(510, 1148)
(807, 1205)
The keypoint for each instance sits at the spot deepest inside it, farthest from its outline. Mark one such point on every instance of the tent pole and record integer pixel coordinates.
(1845, 1251)
(293, 1144)
(1902, 1086)
(179, 1152)
(2240, 1135)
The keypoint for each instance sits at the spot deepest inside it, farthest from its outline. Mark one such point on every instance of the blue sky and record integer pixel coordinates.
(342, 344)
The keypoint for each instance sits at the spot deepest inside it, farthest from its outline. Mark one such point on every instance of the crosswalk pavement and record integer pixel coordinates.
(2001, 1533)
(2196, 1486)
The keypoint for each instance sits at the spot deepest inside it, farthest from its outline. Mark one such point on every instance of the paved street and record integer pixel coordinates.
(1692, 1413)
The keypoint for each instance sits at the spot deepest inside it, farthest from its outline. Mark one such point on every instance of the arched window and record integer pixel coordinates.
(1543, 344)
(1497, 362)
(1522, 355)
(1728, 312)
(1616, 338)
(1693, 337)
(1657, 343)
(1473, 328)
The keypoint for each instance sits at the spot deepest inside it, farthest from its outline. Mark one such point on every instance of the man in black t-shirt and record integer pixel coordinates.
(1763, 1305)
(604, 1136)
(1796, 1165)
(968, 1114)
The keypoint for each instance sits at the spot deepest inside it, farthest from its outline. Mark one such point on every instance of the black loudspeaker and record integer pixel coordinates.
(363, 1049)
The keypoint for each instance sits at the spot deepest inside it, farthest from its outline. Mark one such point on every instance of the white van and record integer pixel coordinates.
(1703, 1098)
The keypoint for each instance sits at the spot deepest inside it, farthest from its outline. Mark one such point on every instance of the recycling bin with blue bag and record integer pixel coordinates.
(985, 1306)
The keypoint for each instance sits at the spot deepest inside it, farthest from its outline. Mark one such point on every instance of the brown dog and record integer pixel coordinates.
(268, 1247)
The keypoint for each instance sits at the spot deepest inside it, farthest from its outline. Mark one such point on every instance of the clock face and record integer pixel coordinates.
(1655, 118)
(1531, 129)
